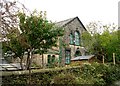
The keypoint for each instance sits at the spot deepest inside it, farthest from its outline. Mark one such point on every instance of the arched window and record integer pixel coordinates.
(77, 38)
(77, 53)
(71, 38)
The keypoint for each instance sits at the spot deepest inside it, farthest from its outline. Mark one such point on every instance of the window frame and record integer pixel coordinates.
(53, 59)
(77, 38)
(71, 36)
(67, 56)
(49, 59)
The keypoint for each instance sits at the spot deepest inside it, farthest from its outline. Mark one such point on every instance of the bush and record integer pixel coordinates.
(66, 79)
(77, 63)
(89, 76)
(113, 74)
(94, 74)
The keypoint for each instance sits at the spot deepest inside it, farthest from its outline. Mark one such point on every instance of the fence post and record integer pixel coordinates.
(114, 58)
(103, 59)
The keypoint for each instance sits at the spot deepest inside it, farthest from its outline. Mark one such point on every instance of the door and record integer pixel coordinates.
(67, 57)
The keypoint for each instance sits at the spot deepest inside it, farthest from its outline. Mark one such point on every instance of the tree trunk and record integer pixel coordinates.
(21, 59)
(29, 66)
(27, 62)
(42, 61)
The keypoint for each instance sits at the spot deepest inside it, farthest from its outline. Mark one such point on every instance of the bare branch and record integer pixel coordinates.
(8, 16)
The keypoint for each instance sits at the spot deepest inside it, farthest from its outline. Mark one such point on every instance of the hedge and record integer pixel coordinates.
(93, 74)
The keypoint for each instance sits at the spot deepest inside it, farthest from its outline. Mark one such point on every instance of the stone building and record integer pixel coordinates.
(69, 45)
(73, 28)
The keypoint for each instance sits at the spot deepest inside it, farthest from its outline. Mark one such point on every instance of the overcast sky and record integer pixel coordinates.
(105, 11)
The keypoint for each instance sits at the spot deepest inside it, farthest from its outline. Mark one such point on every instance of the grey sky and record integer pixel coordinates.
(87, 10)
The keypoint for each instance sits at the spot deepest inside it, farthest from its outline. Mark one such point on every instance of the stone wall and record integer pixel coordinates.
(37, 59)
(73, 26)
(68, 28)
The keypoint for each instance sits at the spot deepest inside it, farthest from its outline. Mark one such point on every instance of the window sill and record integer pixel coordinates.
(67, 63)
(77, 45)
(71, 44)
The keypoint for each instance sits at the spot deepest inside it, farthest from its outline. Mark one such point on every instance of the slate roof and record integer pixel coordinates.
(7, 67)
(82, 58)
(4, 65)
(67, 21)
(64, 22)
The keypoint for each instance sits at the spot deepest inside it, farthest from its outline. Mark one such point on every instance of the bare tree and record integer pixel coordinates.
(8, 16)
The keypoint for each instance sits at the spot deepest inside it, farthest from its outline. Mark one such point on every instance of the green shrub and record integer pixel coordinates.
(94, 74)
(89, 75)
(77, 63)
(113, 74)
(66, 79)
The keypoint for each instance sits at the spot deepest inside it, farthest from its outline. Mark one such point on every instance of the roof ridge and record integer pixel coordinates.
(64, 22)
(66, 19)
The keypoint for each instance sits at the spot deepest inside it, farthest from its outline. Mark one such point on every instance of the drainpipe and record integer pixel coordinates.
(74, 48)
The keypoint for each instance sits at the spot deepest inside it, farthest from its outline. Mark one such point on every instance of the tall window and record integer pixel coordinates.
(77, 38)
(49, 59)
(67, 57)
(71, 38)
(53, 58)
